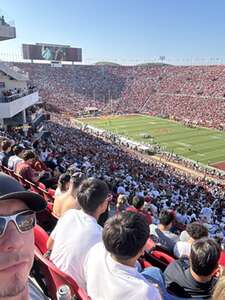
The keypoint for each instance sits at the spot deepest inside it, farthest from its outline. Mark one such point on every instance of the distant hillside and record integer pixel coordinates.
(108, 63)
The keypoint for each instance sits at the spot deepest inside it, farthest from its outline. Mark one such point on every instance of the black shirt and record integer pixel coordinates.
(180, 282)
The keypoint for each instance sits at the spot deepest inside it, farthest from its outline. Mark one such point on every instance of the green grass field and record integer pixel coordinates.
(204, 145)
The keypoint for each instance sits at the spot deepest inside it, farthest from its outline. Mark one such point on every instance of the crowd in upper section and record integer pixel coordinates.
(193, 94)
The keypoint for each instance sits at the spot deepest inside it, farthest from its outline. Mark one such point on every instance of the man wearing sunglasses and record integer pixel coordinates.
(17, 219)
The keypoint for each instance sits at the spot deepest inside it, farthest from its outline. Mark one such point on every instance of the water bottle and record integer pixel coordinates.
(64, 293)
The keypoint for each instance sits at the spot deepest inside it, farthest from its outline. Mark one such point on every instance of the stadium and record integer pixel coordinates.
(129, 161)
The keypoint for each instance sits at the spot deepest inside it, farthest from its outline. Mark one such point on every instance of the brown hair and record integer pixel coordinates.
(219, 292)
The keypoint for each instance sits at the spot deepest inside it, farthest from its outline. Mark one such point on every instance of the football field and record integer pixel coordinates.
(204, 145)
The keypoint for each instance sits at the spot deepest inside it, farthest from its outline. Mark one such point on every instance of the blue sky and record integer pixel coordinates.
(125, 31)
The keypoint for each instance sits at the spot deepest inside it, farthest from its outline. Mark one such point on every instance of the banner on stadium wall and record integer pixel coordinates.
(51, 52)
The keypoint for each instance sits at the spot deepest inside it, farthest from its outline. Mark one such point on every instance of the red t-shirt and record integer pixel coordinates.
(147, 216)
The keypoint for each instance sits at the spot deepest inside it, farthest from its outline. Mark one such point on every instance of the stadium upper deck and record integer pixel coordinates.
(188, 93)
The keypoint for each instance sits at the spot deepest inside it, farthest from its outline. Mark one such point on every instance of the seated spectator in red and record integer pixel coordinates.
(161, 233)
(137, 206)
(195, 277)
(24, 168)
(39, 166)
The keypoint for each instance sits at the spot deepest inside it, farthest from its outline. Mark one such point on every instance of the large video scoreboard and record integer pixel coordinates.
(52, 52)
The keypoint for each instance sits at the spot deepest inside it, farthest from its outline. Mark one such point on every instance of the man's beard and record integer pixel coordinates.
(14, 288)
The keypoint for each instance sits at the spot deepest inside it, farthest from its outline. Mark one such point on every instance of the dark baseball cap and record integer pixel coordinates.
(10, 188)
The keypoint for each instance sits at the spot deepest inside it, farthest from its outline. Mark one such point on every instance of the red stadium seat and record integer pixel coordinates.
(144, 263)
(222, 259)
(50, 277)
(150, 245)
(51, 192)
(158, 259)
(41, 185)
(162, 256)
(40, 238)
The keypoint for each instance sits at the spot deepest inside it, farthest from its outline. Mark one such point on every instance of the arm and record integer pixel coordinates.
(50, 243)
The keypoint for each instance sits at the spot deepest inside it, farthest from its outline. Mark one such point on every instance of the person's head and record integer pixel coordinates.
(17, 219)
(125, 235)
(18, 150)
(6, 146)
(138, 202)
(64, 182)
(29, 156)
(76, 179)
(92, 196)
(204, 257)
(219, 292)
(196, 230)
(121, 200)
(166, 218)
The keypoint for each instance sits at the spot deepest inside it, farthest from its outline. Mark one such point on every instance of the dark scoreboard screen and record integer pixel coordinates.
(52, 52)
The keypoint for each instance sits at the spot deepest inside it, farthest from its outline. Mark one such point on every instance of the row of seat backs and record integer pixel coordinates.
(48, 195)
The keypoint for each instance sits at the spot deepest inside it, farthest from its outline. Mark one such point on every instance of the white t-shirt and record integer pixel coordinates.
(74, 235)
(207, 212)
(182, 249)
(58, 192)
(121, 190)
(109, 280)
(13, 161)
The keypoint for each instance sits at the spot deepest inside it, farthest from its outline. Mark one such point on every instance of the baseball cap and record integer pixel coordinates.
(10, 188)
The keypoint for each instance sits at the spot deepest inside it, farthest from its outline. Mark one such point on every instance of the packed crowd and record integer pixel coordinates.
(66, 147)
(94, 179)
(149, 199)
(192, 94)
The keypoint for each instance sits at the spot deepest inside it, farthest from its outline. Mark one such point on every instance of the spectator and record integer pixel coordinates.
(24, 168)
(16, 158)
(195, 278)
(6, 152)
(63, 184)
(68, 200)
(77, 230)
(121, 203)
(195, 231)
(17, 215)
(161, 233)
(124, 237)
(206, 212)
(137, 206)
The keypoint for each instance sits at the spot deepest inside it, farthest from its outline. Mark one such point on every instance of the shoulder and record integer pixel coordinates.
(149, 292)
(35, 292)
(178, 265)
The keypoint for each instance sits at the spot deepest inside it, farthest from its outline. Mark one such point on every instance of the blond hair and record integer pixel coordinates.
(219, 292)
